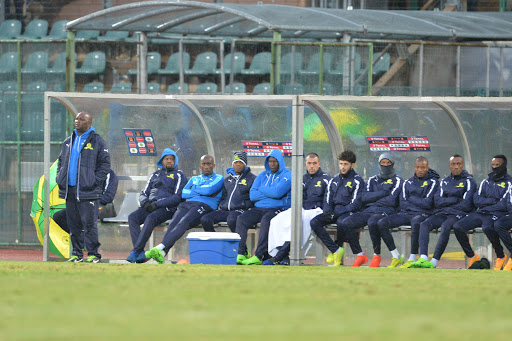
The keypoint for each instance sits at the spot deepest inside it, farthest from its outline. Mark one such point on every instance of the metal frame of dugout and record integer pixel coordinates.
(298, 104)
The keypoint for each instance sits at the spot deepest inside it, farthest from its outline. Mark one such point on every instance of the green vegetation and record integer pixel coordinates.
(64, 301)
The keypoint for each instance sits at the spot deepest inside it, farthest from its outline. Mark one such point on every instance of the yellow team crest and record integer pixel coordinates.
(88, 146)
(171, 176)
(349, 184)
(243, 181)
(425, 183)
(388, 182)
(502, 185)
(461, 185)
(318, 184)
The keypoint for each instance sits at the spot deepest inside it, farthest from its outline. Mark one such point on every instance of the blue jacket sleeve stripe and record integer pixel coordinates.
(431, 188)
(354, 197)
(397, 186)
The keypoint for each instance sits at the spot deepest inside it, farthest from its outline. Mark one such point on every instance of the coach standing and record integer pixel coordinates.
(84, 163)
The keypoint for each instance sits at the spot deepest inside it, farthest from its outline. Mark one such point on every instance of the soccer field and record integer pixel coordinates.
(60, 301)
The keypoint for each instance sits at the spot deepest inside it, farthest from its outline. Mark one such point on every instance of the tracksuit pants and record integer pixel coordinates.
(321, 220)
(61, 219)
(212, 218)
(502, 227)
(357, 221)
(150, 220)
(187, 216)
(399, 219)
(82, 219)
(472, 221)
(443, 221)
(250, 218)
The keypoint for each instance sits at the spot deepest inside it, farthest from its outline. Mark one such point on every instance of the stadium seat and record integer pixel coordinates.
(87, 34)
(205, 64)
(32, 108)
(10, 29)
(59, 86)
(153, 64)
(290, 89)
(313, 67)
(94, 63)
(286, 63)
(36, 29)
(58, 30)
(238, 88)
(37, 62)
(382, 66)
(123, 87)
(8, 62)
(59, 66)
(260, 64)
(175, 88)
(238, 65)
(338, 71)
(94, 87)
(262, 88)
(327, 89)
(206, 88)
(153, 88)
(173, 64)
(114, 36)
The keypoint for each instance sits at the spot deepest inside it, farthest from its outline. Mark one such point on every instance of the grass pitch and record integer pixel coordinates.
(60, 301)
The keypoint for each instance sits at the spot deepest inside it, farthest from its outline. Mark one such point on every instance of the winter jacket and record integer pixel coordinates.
(455, 194)
(491, 195)
(382, 195)
(110, 188)
(418, 193)
(235, 193)
(204, 188)
(314, 187)
(344, 194)
(92, 169)
(272, 190)
(164, 187)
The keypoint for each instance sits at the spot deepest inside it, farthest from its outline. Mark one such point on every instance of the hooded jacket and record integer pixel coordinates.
(204, 188)
(344, 194)
(314, 187)
(418, 193)
(455, 194)
(382, 195)
(235, 193)
(272, 190)
(491, 195)
(164, 187)
(92, 168)
(110, 188)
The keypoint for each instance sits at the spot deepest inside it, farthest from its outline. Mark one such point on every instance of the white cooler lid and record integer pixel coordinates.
(213, 235)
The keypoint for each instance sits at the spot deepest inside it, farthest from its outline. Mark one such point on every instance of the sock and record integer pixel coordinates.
(339, 250)
(360, 254)
(395, 253)
(425, 257)
(374, 254)
(412, 257)
(161, 247)
(434, 262)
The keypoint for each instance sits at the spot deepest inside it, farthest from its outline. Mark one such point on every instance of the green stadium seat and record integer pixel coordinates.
(32, 111)
(58, 30)
(9, 96)
(238, 65)
(205, 64)
(313, 67)
(37, 62)
(382, 66)
(206, 88)
(8, 62)
(59, 66)
(94, 63)
(175, 88)
(114, 36)
(153, 88)
(286, 63)
(87, 34)
(238, 88)
(153, 64)
(260, 64)
(173, 64)
(338, 71)
(122, 87)
(10, 29)
(94, 87)
(262, 88)
(290, 89)
(327, 89)
(36, 29)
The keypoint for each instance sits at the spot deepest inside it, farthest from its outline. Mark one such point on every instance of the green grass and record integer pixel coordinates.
(60, 301)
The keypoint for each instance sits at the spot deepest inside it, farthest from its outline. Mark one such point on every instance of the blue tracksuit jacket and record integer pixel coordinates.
(344, 194)
(382, 195)
(455, 194)
(418, 194)
(235, 193)
(491, 195)
(204, 188)
(313, 189)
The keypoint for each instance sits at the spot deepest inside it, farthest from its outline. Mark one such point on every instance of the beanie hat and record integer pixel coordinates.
(386, 156)
(240, 156)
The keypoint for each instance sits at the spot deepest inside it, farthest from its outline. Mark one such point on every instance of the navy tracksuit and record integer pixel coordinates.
(491, 204)
(416, 203)
(203, 193)
(271, 194)
(164, 189)
(453, 201)
(380, 199)
(503, 225)
(235, 200)
(343, 196)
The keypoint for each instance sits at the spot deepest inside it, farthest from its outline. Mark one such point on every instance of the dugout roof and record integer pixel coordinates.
(236, 20)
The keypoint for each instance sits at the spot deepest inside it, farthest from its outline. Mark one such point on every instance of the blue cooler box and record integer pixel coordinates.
(213, 247)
